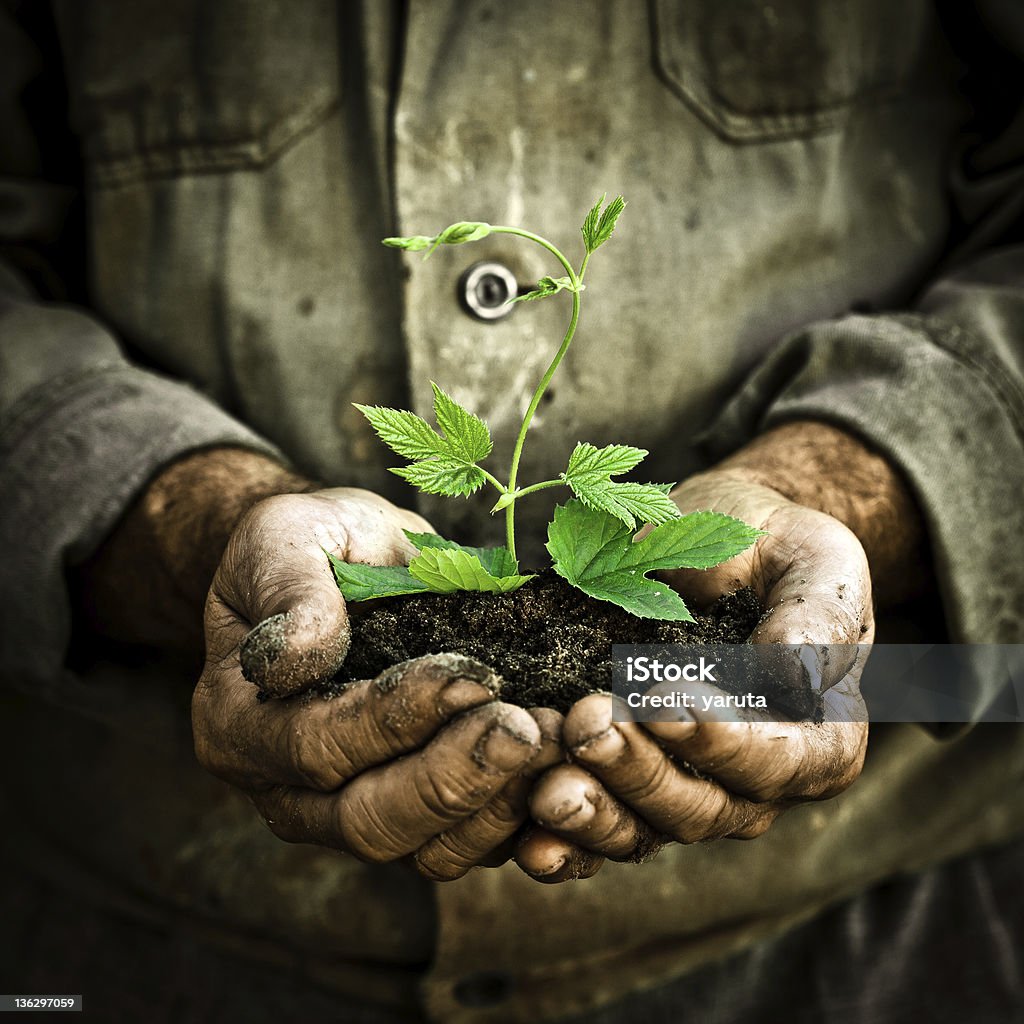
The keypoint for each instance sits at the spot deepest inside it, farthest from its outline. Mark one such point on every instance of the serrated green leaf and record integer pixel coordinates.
(497, 561)
(629, 502)
(467, 435)
(404, 432)
(412, 243)
(609, 219)
(640, 596)
(613, 460)
(446, 570)
(442, 567)
(589, 475)
(599, 225)
(591, 221)
(443, 476)
(500, 562)
(596, 552)
(358, 582)
(441, 464)
(698, 540)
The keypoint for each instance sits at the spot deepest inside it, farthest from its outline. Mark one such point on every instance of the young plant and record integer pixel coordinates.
(591, 539)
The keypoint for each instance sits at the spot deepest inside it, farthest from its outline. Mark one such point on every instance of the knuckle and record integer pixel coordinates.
(721, 744)
(219, 738)
(756, 826)
(780, 758)
(268, 508)
(279, 813)
(778, 783)
(362, 833)
(703, 818)
(848, 767)
(437, 870)
(393, 722)
(447, 795)
(615, 833)
(444, 859)
(310, 755)
(720, 816)
(649, 782)
(504, 811)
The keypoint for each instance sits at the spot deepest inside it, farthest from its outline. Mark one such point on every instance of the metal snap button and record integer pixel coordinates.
(485, 288)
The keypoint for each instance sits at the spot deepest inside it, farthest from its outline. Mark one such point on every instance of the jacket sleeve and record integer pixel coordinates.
(939, 388)
(81, 429)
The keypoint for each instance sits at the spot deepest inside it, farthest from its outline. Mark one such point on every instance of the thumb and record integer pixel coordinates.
(280, 604)
(302, 644)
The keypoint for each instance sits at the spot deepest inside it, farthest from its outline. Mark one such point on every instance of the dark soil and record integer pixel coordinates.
(550, 643)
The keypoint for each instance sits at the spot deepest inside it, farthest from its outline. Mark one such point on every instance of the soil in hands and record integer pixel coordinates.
(550, 643)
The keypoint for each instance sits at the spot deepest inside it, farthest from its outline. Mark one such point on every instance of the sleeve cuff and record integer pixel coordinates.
(916, 390)
(74, 456)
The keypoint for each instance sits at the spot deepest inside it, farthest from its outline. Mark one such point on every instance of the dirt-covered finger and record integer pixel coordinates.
(454, 852)
(320, 743)
(275, 577)
(572, 803)
(672, 800)
(550, 859)
(767, 761)
(818, 592)
(392, 810)
(463, 846)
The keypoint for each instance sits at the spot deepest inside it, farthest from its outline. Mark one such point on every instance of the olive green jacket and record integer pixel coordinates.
(824, 222)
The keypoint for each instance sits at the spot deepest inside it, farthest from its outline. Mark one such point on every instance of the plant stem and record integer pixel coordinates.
(493, 479)
(539, 487)
(510, 535)
(583, 266)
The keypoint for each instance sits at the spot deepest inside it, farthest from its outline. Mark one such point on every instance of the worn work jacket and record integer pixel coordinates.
(821, 223)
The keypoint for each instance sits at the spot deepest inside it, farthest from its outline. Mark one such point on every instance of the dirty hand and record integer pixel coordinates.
(631, 786)
(423, 760)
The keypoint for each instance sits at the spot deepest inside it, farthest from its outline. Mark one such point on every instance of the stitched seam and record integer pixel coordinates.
(211, 157)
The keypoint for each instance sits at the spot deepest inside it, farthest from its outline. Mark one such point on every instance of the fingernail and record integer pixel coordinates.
(671, 730)
(673, 715)
(262, 646)
(554, 868)
(813, 660)
(550, 722)
(502, 750)
(603, 749)
(573, 816)
(462, 694)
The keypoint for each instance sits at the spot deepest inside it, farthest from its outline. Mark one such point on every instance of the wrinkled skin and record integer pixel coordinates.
(426, 763)
(422, 762)
(627, 791)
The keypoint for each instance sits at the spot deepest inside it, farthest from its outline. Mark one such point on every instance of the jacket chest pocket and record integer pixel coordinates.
(166, 87)
(757, 70)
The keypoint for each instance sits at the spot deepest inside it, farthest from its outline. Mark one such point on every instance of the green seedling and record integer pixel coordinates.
(592, 538)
